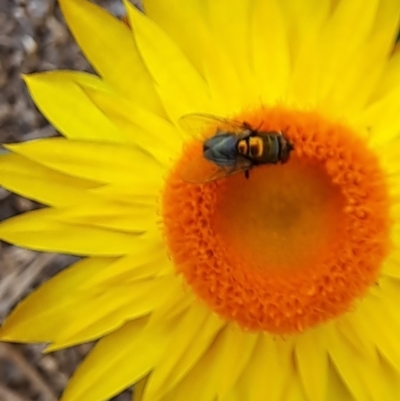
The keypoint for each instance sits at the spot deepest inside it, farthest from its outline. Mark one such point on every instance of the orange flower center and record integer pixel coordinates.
(295, 244)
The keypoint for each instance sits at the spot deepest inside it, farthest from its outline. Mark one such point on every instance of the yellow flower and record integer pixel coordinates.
(283, 286)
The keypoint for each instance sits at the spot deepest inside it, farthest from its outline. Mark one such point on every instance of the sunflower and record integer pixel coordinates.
(281, 284)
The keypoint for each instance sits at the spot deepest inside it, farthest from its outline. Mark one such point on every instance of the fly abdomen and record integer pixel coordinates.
(271, 152)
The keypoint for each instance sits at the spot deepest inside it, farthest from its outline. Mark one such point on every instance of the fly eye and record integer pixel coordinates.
(242, 147)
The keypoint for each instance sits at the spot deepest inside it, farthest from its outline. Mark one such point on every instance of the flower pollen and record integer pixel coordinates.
(295, 244)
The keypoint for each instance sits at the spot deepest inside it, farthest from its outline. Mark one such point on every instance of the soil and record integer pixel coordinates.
(33, 37)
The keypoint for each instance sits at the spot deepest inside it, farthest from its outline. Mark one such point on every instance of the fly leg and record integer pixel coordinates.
(247, 174)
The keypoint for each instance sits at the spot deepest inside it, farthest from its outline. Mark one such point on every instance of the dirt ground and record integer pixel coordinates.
(33, 37)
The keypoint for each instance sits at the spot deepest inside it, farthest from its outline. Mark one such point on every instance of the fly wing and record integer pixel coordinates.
(200, 170)
(202, 126)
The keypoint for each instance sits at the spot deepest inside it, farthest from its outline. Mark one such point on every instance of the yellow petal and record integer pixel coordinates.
(147, 259)
(176, 305)
(100, 162)
(232, 396)
(228, 93)
(384, 35)
(312, 364)
(269, 370)
(38, 230)
(270, 50)
(351, 328)
(381, 116)
(117, 361)
(390, 162)
(184, 24)
(294, 391)
(230, 27)
(391, 75)
(138, 389)
(144, 128)
(113, 215)
(360, 78)
(230, 24)
(169, 67)
(205, 379)
(344, 35)
(41, 184)
(345, 360)
(388, 291)
(229, 75)
(337, 389)
(391, 266)
(240, 353)
(305, 47)
(190, 338)
(95, 379)
(110, 48)
(42, 314)
(102, 311)
(85, 79)
(229, 96)
(377, 314)
(138, 189)
(60, 97)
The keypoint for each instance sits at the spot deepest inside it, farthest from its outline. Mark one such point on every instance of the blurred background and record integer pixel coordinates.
(33, 37)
